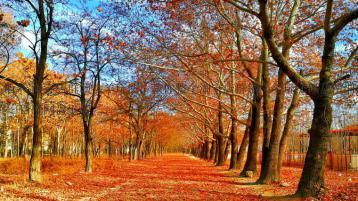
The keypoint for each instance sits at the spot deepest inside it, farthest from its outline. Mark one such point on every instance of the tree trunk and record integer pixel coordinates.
(213, 150)
(5, 144)
(269, 168)
(130, 131)
(5, 130)
(267, 124)
(23, 134)
(216, 152)
(130, 147)
(130, 150)
(220, 136)
(287, 130)
(139, 150)
(202, 150)
(227, 148)
(88, 149)
(58, 141)
(207, 150)
(233, 131)
(109, 148)
(155, 150)
(134, 152)
(18, 140)
(35, 160)
(254, 133)
(244, 143)
(312, 178)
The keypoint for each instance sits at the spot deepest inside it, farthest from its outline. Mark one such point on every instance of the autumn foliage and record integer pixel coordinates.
(139, 99)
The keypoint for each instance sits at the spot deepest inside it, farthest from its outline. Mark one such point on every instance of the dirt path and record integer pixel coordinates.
(170, 177)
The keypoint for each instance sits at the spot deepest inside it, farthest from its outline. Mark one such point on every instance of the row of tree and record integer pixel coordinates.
(126, 114)
(220, 65)
(228, 62)
(67, 77)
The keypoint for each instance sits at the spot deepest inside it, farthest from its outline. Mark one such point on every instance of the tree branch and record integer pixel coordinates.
(20, 85)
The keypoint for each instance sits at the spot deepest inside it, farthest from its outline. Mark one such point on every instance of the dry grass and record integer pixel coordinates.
(61, 165)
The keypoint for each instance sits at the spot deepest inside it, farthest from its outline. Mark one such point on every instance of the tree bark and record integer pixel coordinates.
(5, 129)
(287, 130)
(86, 121)
(35, 160)
(234, 145)
(244, 143)
(109, 148)
(202, 150)
(312, 178)
(216, 152)
(233, 131)
(220, 136)
(254, 132)
(213, 150)
(23, 137)
(88, 148)
(207, 154)
(269, 168)
(58, 141)
(267, 124)
(45, 30)
(270, 159)
(140, 150)
(130, 131)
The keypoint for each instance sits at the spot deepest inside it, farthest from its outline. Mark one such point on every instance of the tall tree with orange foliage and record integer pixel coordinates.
(87, 53)
(312, 180)
(43, 14)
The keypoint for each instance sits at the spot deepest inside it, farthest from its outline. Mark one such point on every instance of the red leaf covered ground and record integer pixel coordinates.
(171, 177)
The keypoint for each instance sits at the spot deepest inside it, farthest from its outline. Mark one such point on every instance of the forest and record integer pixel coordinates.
(178, 100)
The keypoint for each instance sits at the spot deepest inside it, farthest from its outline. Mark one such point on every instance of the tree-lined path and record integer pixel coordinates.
(260, 96)
(168, 177)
